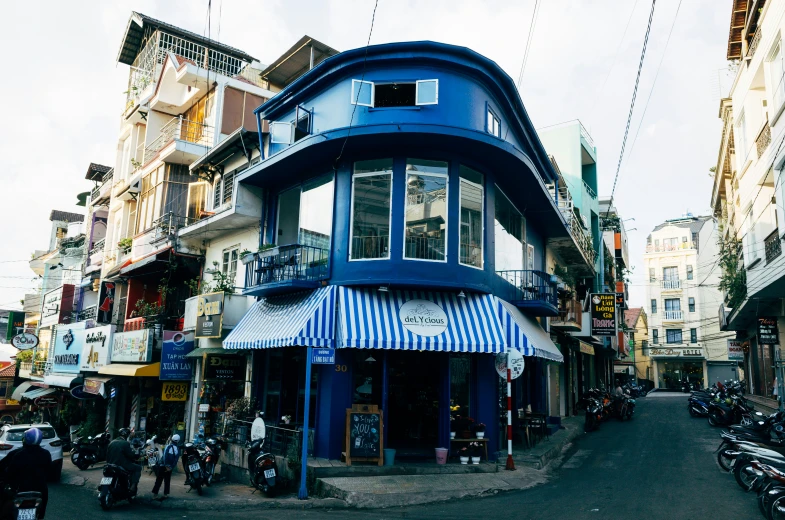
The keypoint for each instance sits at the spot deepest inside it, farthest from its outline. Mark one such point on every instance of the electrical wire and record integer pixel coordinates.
(532, 25)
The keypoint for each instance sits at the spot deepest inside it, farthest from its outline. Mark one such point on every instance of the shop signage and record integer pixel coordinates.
(92, 386)
(586, 348)
(512, 359)
(16, 322)
(209, 315)
(135, 346)
(106, 302)
(46, 401)
(323, 356)
(80, 392)
(423, 318)
(95, 347)
(25, 341)
(204, 407)
(735, 349)
(676, 352)
(174, 365)
(68, 348)
(12, 402)
(767, 331)
(226, 368)
(603, 314)
(56, 305)
(364, 431)
(620, 299)
(174, 391)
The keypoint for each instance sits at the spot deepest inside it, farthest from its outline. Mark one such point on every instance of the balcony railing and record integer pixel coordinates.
(674, 315)
(570, 313)
(763, 140)
(670, 284)
(586, 136)
(754, 43)
(662, 248)
(290, 265)
(424, 248)
(180, 129)
(528, 286)
(98, 247)
(773, 245)
(590, 191)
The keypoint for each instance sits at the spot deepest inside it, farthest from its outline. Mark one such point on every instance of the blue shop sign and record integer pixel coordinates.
(323, 356)
(69, 340)
(174, 365)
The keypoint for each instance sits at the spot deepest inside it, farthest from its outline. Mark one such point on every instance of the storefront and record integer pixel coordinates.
(674, 365)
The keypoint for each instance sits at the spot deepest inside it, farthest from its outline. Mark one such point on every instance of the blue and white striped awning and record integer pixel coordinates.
(418, 320)
(525, 334)
(304, 319)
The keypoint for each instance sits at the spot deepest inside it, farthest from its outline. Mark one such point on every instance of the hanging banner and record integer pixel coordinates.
(209, 315)
(105, 302)
(95, 347)
(603, 314)
(174, 365)
(735, 350)
(768, 333)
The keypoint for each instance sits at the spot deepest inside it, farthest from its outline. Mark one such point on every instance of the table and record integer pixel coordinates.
(483, 441)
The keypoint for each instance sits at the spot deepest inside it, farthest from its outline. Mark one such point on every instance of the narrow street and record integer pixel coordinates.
(660, 465)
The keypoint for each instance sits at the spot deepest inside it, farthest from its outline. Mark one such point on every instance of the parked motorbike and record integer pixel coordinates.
(92, 450)
(114, 487)
(262, 468)
(730, 411)
(27, 505)
(746, 472)
(196, 472)
(593, 413)
(211, 456)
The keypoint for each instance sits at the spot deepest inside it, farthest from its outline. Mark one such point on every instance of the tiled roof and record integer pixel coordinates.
(9, 371)
(631, 316)
(65, 216)
(96, 171)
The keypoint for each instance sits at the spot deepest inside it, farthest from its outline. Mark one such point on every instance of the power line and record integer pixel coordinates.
(532, 25)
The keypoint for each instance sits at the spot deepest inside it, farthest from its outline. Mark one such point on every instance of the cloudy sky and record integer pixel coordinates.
(64, 95)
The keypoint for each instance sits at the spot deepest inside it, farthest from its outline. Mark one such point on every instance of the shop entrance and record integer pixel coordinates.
(672, 373)
(413, 403)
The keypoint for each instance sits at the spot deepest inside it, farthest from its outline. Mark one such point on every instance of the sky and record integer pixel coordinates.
(65, 91)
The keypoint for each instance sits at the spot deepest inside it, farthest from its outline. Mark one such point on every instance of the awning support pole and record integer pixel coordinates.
(510, 464)
(303, 493)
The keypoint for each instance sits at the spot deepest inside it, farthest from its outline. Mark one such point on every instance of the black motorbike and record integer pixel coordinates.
(211, 455)
(195, 467)
(262, 468)
(114, 487)
(92, 450)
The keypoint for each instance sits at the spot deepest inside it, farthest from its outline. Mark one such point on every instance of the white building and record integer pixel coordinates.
(685, 341)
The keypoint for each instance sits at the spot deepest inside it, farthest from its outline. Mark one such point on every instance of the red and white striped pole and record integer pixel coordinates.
(510, 464)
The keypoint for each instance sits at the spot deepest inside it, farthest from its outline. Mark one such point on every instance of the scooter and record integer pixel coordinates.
(211, 455)
(28, 504)
(114, 487)
(193, 461)
(85, 453)
(262, 468)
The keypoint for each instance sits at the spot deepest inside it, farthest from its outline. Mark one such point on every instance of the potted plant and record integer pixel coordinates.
(474, 449)
(479, 430)
(125, 245)
(463, 454)
(246, 256)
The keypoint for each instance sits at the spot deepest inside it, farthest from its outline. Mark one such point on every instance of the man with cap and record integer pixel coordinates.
(120, 453)
(29, 465)
(168, 463)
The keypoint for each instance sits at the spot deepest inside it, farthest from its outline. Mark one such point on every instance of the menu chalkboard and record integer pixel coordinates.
(364, 434)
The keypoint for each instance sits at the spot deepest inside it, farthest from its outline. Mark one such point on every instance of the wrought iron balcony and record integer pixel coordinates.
(673, 316)
(670, 285)
(531, 291)
(763, 140)
(773, 245)
(286, 269)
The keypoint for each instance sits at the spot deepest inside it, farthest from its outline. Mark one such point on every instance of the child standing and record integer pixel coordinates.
(169, 462)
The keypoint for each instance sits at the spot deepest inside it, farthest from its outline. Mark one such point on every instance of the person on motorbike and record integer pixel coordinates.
(28, 466)
(120, 453)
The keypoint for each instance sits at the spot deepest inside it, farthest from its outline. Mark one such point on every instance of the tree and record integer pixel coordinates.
(733, 280)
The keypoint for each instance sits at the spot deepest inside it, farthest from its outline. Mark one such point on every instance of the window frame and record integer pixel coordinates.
(354, 97)
(653, 306)
(674, 331)
(298, 115)
(229, 250)
(690, 272)
(417, 101)
(691, 304)
(461, 180)
(275, 124)
(489, 111)
(693, 335)
(652, 274)
(446, 176)
(655, 336)
(389, 218)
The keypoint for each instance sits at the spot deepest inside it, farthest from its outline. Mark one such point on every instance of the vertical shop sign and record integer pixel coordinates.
(209, 315)
(106, 302)
(735, 350)
(174, 365)
(16, 322)
(768, 333)
(603, 314)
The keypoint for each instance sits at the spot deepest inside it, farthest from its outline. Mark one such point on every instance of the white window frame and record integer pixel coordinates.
(353, 95)
(417, 92)
(273, 126)
(530, 257)
(389, 218)
(461, 180)
(446, 210)
(229, 250)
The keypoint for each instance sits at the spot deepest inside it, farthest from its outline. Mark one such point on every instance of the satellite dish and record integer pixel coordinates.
(257, 429)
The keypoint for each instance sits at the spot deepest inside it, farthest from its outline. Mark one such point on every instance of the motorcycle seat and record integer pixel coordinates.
(119, 469)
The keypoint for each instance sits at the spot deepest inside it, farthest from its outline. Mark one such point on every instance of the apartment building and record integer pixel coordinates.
(748, 188)
(685, 341)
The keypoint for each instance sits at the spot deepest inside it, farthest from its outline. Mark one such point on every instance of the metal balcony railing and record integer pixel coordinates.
(773, 245)
(570, 311)
(527, 286)
(754, 43)
(168, 224)
(763, 140)
(179, 129)
(98, 247)
(586, 136)
(663, 248)
(674, 315)
(590, 191)
(670, 284)
(287, 263)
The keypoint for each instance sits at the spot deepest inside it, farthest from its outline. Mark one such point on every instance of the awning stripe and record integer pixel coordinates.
(369, 319)
(525, 334)
(304, 319)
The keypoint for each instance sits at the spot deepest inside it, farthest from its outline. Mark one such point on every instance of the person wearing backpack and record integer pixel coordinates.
(168, 463)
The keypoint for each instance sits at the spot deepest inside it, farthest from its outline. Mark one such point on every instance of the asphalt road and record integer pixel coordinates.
(660, 465)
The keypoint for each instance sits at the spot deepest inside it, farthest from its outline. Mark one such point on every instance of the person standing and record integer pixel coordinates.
(169, 462)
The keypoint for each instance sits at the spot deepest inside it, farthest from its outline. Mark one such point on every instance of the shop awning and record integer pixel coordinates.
(117, 369)
(38, 392)
(21, 389)
(62, 380)
(199, 352)
(419, 320)
(525, 334)
(304, 319)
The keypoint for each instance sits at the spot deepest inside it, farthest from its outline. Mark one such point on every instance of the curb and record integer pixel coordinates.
(541, 461)
(206, 504)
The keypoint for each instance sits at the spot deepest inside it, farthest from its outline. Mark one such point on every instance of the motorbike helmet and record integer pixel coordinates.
(32, 437)
(175, 438)
(124, 433)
